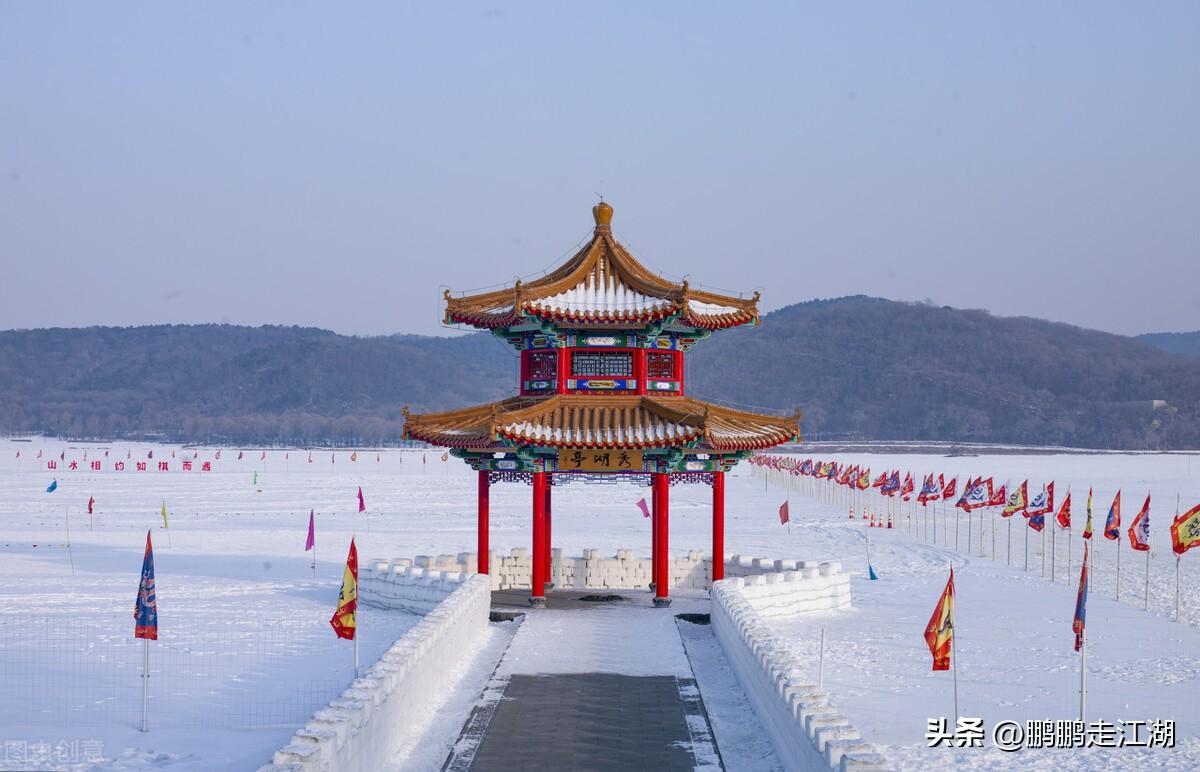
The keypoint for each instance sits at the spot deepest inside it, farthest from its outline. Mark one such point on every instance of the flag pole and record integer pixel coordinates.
(1026, 545)
(145, 683)
(1177, 556)
(1043, 548)
(1082, 675)
(70, 554)
(1053, 551)
(1146, 599)
(821, 662)
(1010, 541)
(954, 650)
(1118, 566)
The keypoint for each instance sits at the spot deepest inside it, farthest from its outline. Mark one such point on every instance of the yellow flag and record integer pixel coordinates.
(345, 618)
(164, 513)
(939, 633)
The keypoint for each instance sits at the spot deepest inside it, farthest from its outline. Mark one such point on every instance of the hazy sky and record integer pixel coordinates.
(337, 165)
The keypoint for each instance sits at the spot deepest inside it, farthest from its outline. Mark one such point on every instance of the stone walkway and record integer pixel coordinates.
(591, 686)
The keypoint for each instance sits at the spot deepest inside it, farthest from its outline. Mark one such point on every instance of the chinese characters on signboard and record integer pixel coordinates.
(593, 460)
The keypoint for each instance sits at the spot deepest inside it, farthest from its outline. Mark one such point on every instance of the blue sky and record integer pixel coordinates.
(296, 164)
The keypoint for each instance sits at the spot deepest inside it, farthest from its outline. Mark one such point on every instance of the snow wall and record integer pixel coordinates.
(361, 729)
(623, 571)
(806, 730)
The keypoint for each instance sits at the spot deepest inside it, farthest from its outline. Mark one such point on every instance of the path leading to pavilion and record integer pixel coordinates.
(600, 686)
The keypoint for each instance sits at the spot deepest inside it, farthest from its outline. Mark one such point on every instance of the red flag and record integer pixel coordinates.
(1064, 513)
(91, 504)
(362, 504)
(1139, 529)
(939, 633)
(783, 513)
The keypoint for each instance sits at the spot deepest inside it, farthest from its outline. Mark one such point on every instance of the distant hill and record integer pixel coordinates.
(869, 368)
(860, 368)
(1185, 343)
(239, 384)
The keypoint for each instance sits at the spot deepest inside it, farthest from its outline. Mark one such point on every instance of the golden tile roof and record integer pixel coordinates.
(602, 285)
(584, 421)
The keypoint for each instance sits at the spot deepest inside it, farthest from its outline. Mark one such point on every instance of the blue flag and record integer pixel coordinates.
(871, 572)
(145, 609)
(53, 487)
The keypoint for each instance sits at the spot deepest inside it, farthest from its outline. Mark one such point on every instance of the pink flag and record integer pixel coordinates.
(362, 505)
(311, 540)
(642, 506)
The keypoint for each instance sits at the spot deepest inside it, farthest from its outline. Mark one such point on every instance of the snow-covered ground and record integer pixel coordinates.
(246, 652)
(1015, 657)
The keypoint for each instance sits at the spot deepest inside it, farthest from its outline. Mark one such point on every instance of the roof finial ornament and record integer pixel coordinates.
(602, 213)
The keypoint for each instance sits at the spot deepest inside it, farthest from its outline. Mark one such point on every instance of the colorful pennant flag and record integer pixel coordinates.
(1112, 526)
(1018, 500)
(1081, 602)
(1087, 527)
(1064, 512)
(1139, 529)
(1185, 530)
(145, 608)
(949, 490)
(939, 633)
(345, 618)
(1043, 503)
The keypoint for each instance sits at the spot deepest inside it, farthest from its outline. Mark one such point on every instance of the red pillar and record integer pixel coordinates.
(483, 521)
(537, 589)
(549, 545)
(718, 526)
(662, 483)
(653, 533)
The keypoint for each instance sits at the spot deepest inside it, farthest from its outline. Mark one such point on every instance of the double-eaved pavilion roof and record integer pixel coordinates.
(602, 285)
(583, 421)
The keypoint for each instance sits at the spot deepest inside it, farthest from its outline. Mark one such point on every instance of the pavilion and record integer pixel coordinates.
(602, 392)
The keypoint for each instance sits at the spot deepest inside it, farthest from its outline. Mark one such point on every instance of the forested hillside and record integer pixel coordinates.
(860, 368)
(1185, 343)
(876, 369)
